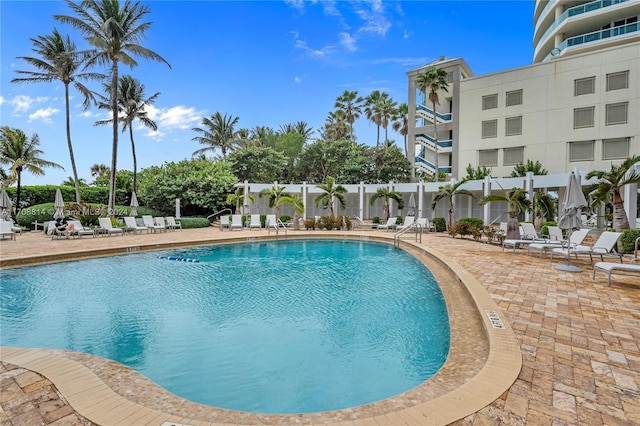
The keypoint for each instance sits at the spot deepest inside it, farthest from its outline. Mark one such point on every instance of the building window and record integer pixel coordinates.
(584, 86)
(615, 149)
(513, 156)
(490, 129)
(618, 80)
(488, 157)
(616, 113)
(581, 151)
(514, 98)
(513, 126)
(490, 101)
(583, 117)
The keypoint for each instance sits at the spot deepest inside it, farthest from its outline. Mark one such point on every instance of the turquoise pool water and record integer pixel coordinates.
(272, 327)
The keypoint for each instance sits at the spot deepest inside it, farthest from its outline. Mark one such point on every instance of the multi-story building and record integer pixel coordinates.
(577, 105)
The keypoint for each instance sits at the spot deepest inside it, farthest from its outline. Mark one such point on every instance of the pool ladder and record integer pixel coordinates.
(279, 224)
(413, 227)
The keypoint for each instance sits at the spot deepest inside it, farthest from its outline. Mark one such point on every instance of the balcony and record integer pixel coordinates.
(427, 113)
(426, 140)
(429, 168)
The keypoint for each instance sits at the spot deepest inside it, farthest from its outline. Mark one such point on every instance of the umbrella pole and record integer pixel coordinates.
(568, 267)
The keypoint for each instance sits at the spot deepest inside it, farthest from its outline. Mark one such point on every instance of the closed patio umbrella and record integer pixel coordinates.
(573, 203)
(134, 204)
(412, 206)
(5, 205)
(58, 205)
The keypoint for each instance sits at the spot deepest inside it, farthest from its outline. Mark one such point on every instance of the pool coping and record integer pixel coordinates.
(94, 399)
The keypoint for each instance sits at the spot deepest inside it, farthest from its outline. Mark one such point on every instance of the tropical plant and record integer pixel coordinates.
(332, 192)
(518, 203)
(99, 170)
(520, 170)
(544, 208)
(238, 198)
(218, 133)
(22, 154)
(70, 181)
(430, 82)
(478, 173)
(448, 192)
(276, 196)
(131, 106)
(351, 106)
(302, 128)
(608, 186)
(386, 194)
(115, 30)
(335, 127)
(387, 108)
(59, 60)
(372, 110)
(297, 202)
(257, 164)
(401, 123)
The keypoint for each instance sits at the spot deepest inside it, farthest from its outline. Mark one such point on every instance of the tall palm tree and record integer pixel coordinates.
(277, 197)
(237, 199)
(302, 127)
(448, 192)
(518, 204)
(430, 82)
(99, 170)
(544, 207)
(59, 60)
(401, 123)
(218, 132)
(609, 187)
(131, 106)
(372, 110)
(387, 108)
(70, 181)
(115, 29)
(335, 126)
(298, 208)
(387, 195)
(22, 154)
(332, 192)
(351, 105)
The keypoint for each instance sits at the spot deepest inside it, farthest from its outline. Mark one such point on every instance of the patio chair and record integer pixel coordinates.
(576, 238)
(6, 231)
(255, 222)
(132, 225)
(611, 267)
(171, 222)
(604, 246)
(224, 222)
(528, 235)
(408, 221)
(151, 225)
(236, 222)
(271, 221)
(555, 233)
(108, 228)
(160, 223)
(81, 230)
(391, 224)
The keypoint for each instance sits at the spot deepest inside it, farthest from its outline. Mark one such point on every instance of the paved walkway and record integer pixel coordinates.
(579, 338)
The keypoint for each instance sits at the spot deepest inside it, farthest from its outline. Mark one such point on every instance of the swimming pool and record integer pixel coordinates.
(280, 327)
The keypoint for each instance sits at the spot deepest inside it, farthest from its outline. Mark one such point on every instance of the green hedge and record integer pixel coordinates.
(440, 223)
(628, 240)
(193, 222)
(41, 194)
(472, 221)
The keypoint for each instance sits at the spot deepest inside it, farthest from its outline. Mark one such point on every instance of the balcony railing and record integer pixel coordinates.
(430, 141)
(429, 111)
(430, 166)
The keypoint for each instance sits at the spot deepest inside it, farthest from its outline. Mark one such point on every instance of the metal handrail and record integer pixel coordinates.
(414, 226)
(218, 212)
(279, 224)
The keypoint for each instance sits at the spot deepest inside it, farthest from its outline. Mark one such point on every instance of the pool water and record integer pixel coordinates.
(271, 327)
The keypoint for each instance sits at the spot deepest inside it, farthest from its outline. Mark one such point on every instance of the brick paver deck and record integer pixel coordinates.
(580, 340)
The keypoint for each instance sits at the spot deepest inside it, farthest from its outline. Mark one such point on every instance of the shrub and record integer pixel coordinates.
(285, 218)
(628, 240)
(326, 222)
(193, 222)
(440, 224)
(375, 220)
(347, 222)
(398, 220)
(472, 221)
(460, 228)
(310, 223)
(476, 232)
(543, 228)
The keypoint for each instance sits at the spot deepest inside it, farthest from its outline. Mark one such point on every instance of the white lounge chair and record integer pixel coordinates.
(236, 222)
(271, 221)
(611, 267)
(132, 225)
(108, 228)
(602, 247)
(408, 221)
(576, 238)
(160, 223)
(555, 233)
(391, 224)
(172, 224)
(80, 230)
(255, 222)
(528, 235)
(151, 225)
(224, 222)
(6, 231)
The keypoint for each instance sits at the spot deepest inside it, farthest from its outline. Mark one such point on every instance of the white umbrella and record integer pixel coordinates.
(412, 206)
(58, 205)
(572, 205)
(134, 204)
(5, 205)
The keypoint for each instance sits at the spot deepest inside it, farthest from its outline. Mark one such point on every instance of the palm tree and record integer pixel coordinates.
(544, 207)
(520, 170)
(387, 107)
(449, 192)
(115, 29)
(237, 199)
(372, 110)
(609, 187)
(430, 82)
(277, 197)
(336, 126)
(131, 104)
(518, 204)
(387, 195)
(218, 132)
(22, 154)
(351, 105)
(302, 127)
(70, 181)
(401, 124)
(99, 170)
(58, 59)
(332, 192)
(298, 208)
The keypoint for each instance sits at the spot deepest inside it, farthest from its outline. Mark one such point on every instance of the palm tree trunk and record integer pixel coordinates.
(114, 149)
(378, 137)
(19, 174)
(406, 147)
(435, 138)
(135, 162)
(620, 218)
(513, 231)
(71, 156)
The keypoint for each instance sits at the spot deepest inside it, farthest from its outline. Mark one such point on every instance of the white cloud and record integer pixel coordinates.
(21, 103)
(88, 114)
(157, 134)
(405, 62)
(324, 51)
(177, 117)
(407, 34)
(297, 79)
(375, 20)
(1, 100)
(347, 41)
(43, 114)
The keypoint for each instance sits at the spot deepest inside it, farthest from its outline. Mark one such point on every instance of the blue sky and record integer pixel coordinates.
(267, 62)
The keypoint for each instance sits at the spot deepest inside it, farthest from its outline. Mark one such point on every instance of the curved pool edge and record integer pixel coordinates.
(85, 390)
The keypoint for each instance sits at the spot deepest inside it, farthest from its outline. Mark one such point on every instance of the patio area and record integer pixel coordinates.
(579, 338)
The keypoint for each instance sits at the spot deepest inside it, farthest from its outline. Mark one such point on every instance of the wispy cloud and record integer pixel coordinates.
(405, 62)
(347, 41)
(23, 103)
(302, 45)
(297, 79)
(373, 14)
(43, 114)
(177, 117)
